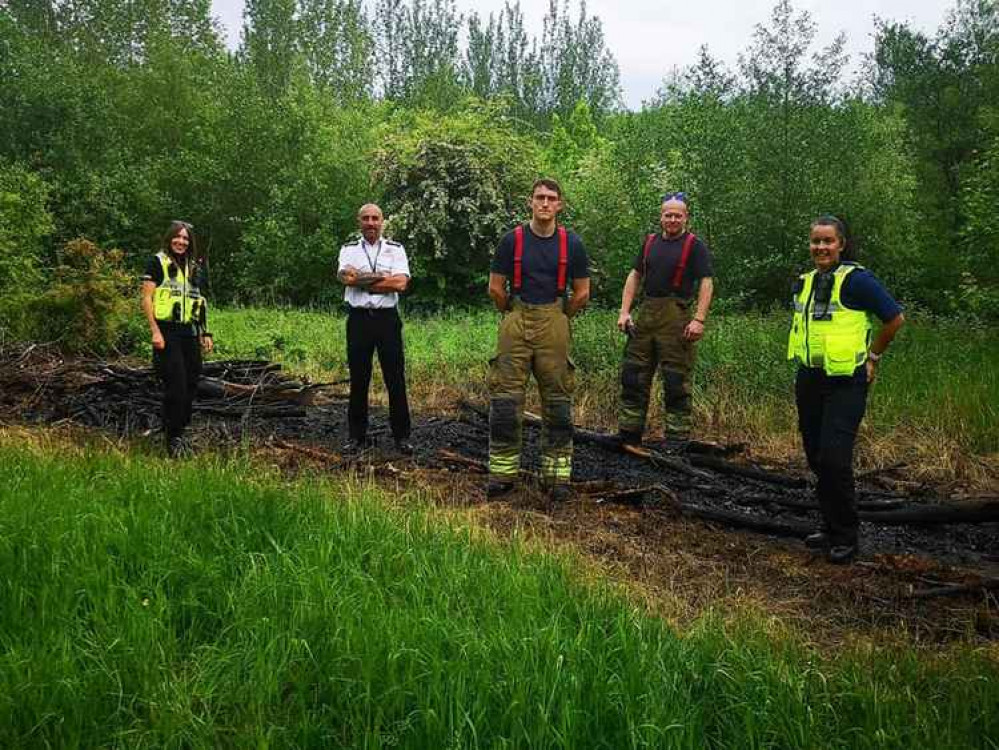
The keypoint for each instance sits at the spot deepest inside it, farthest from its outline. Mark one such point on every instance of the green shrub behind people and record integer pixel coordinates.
(24, 224)
(86, 307)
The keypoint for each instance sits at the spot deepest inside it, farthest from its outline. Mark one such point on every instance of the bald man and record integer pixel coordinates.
(674, 270)
(374, 271)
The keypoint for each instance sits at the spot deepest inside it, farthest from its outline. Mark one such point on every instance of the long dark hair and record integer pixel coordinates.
(842, 231)
(172, 231)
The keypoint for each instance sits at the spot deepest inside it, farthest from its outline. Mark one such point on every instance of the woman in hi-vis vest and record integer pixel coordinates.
(177, 313)
(837, 354)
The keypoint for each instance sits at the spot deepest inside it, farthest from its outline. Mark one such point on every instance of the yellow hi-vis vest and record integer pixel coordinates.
(837, 339)
(177, 299)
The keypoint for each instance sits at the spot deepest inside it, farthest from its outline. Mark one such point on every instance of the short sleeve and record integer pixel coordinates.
(343, 260)
(702, 266)
(639, 263)
(862, 290)
(401, 264)
(503, 259)
(154, 271)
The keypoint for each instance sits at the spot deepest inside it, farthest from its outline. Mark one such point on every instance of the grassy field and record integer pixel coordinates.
(146, 604)
(936, 401)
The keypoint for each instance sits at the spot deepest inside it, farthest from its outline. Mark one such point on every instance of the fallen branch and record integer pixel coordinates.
(784, 502)
(882, 470)
(747, 472)
(456, 458)
(612, 442)
(315, 453)
(747, 521)
(595, 487)
(979, 511)
(238, 411)
(983, 586)
(636, 495)
(667, 462)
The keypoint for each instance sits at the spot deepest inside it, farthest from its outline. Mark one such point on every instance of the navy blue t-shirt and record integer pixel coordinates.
(664, 257)
(539, 266)
(862, 290)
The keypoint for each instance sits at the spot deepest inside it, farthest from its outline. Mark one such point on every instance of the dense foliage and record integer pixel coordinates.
(116, 118)
(451, 185)
(86, 308)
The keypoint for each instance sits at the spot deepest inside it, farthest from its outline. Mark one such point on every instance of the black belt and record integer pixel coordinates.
(374, 311)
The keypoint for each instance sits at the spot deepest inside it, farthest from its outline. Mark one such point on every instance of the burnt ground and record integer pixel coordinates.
(650, 522)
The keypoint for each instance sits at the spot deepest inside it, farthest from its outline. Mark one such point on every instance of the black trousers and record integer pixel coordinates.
(370, 331)
(830, 410)
(178, 365)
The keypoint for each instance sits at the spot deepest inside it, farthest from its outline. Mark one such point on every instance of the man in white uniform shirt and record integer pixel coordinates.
(374, 271)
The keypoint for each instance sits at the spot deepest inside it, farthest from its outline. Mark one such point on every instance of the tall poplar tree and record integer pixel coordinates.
(271, 42)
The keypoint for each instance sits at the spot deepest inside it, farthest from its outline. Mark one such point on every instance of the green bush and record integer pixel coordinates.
(290, 242)
(86, 308)
(454, 184)
(24, 224)
(598, 204)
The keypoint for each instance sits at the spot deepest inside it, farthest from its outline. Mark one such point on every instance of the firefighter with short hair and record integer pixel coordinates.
(176, 311)
(535, 268)
(672, 267)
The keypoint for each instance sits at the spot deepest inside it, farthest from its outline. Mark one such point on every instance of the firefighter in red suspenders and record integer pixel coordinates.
(671, 267)
(541, 261)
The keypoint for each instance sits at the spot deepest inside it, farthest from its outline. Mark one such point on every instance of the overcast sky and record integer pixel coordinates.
(651, 38)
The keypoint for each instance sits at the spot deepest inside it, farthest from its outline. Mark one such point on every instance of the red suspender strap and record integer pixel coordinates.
(645, 253)
(518, 257)
(688, 243)
(563, 258)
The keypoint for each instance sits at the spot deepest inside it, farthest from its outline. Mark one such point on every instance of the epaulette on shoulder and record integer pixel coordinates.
(393, 242)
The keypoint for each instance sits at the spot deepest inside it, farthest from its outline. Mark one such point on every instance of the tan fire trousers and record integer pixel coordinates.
(533, 339)
(657, 343)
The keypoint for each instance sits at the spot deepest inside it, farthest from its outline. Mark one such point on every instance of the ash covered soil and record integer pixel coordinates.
(701, 526)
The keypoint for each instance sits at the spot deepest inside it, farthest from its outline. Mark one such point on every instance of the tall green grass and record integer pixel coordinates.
(939, 379)
(146, 604)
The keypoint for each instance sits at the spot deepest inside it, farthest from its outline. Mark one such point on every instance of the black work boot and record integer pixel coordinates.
(178, 447)
(354, 448)
(560, 493)
(841, 554)
(818, 540)
(497, 487)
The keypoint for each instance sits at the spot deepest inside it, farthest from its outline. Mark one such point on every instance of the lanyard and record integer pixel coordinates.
(378, 251)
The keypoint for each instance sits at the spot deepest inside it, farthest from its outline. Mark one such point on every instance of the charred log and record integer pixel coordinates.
(979, 511)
